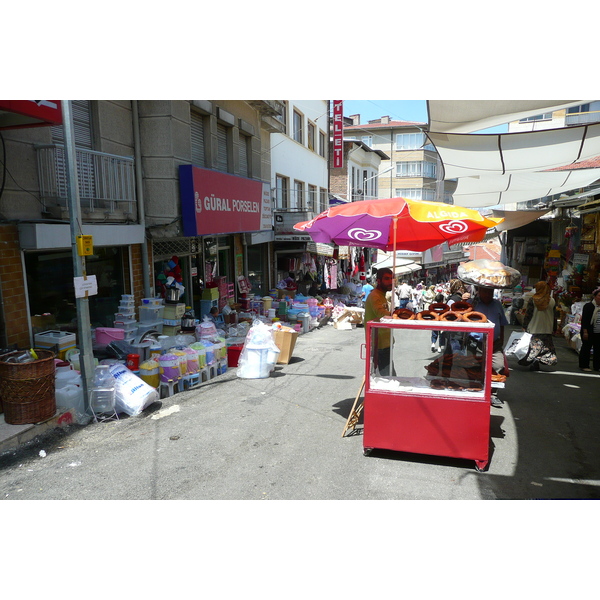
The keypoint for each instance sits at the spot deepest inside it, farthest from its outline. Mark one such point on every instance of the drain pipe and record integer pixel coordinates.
(140, 194)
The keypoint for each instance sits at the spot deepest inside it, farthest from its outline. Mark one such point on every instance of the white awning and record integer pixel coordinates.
(513, 219)
(466, 116)
(465, 155)
(476, 192)
(575, 200)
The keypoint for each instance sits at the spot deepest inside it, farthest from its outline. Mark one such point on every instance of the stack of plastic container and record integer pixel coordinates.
(151, 315)
(125, 318)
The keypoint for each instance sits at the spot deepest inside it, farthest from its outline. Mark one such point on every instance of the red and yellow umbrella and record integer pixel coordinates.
(397, 223)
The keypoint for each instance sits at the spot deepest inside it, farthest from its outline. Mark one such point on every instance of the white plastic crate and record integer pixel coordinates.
(150, 314)
(125, 317)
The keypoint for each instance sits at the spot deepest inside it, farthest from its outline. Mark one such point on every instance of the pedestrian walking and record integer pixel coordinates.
(404, 294)
(590, 333)
(540, 322)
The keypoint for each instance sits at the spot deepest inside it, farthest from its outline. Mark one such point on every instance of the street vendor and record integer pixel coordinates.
(376, 307)
(494, 311)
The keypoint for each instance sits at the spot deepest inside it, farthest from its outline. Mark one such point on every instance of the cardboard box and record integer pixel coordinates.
(210, 293)
(43, 321)
(283, 293)
(49, 340)
(285, 341)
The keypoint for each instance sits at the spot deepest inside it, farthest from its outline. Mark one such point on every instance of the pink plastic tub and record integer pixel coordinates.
(106, 335)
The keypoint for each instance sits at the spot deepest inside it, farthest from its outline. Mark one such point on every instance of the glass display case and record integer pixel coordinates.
(426, 402)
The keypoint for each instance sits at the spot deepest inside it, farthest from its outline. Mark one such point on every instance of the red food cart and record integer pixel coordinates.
(426, 402)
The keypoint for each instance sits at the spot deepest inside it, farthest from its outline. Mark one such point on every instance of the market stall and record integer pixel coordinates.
(429, 405)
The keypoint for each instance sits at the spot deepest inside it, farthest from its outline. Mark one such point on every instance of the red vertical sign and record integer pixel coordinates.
(338, 134)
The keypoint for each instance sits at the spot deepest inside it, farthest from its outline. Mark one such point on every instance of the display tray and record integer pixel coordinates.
(422, 385)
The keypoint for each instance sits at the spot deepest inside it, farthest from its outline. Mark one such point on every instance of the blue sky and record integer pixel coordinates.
(397, 110)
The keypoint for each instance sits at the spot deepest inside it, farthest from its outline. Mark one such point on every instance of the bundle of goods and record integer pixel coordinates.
(488, 273)
(456, 372)
(259, 354)
(403, 313)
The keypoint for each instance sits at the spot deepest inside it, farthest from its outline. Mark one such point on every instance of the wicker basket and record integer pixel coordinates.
(27, 389)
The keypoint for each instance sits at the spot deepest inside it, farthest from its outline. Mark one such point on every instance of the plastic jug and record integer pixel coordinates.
(180, 354)
(65, 375)
(70, 397)
(150, 372)
(192, 360)
(102, 395)
(169, 367)
(304, 319)
(201, 350)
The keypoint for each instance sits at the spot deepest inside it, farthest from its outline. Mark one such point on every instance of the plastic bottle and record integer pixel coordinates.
(102, 396)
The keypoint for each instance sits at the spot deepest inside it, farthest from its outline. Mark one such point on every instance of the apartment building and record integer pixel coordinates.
(412, 169)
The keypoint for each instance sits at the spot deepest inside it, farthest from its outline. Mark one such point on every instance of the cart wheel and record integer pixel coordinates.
(367, 451)
(481, 465)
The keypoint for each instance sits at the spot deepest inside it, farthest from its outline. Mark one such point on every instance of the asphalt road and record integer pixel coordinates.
(280, 439)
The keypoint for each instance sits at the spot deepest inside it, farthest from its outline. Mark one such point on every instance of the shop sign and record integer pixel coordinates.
(30, 113)
(215, 203)
(581, 259)
(292, 238)
(338, 134)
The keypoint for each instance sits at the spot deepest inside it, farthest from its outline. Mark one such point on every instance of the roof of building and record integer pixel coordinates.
(366, 148)
(590, 163)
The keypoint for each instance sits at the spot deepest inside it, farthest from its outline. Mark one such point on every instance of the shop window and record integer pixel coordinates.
(50, 285)
(257, 269)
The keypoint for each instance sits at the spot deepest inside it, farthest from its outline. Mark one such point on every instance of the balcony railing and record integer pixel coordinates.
(106, 181)
(582, 118)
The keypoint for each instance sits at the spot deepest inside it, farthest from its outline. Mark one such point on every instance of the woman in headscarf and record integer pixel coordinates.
(540, 322)
(590, 333)
(458, 292)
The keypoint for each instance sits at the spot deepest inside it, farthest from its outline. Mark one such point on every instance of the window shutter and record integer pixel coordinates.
(222, 148)
(197, 135)
(244, 164)
(82, 126)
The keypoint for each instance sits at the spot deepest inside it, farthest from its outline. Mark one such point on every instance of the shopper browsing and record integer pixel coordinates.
(540, 322)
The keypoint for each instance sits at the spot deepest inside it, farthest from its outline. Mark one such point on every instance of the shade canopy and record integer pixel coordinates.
(403, 265)
(466, 116)
(487, 155)
(506, 189)
(513, 219)
(397, 223)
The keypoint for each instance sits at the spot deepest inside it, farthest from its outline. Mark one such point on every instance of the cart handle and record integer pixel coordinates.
(363, 347)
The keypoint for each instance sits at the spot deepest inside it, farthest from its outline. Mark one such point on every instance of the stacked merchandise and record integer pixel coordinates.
(171, 318)
(125, 318)
(151, 313)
